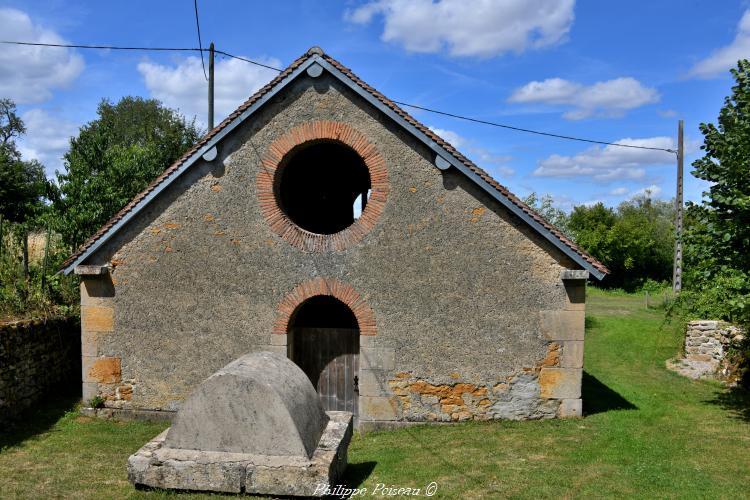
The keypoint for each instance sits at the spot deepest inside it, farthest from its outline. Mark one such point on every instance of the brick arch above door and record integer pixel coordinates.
(330, 287)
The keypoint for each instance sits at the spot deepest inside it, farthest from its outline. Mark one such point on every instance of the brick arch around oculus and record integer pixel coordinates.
(283, 147)
(330, 287)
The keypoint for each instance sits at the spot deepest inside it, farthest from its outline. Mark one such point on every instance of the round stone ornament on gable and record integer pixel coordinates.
(322, 186)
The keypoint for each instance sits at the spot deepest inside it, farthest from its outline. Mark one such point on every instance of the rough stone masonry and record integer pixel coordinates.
(706, 346)
(464, 311)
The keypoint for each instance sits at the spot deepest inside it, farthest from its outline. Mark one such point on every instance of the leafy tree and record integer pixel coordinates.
(115, 157)
(545, 206)
(718, 229)
(635, 241)
(23, 184)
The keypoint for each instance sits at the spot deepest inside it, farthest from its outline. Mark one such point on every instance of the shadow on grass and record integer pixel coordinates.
(735, 400)
(356, 474)
(37, 419)
(591, 322)
(598, 398)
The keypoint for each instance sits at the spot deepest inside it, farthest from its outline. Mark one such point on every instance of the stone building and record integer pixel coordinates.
(322, 221)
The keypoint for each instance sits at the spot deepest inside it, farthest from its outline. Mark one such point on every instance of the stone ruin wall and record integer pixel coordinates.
(707, 343)
(708, 340)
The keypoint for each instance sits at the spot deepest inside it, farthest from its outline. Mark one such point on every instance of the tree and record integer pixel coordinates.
(724, 213)
(717, 238)
(545, 206)
(114, 158)
(635, 241)
(23, 184)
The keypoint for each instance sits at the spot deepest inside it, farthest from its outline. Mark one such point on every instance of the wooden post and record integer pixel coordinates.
(211, 86)
(26, 255)
(44, 263)
(677, 270)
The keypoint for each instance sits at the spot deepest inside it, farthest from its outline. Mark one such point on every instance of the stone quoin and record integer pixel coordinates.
(322, 222)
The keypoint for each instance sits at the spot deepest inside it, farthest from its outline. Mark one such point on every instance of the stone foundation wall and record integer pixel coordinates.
(37, 356)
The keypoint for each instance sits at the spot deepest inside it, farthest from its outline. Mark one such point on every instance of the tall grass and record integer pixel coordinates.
(42, 292)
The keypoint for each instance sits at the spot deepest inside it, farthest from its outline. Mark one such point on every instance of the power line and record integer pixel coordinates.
(529, 131)
(200, 44)
(422, 108)
(248, 61)
(108, 47)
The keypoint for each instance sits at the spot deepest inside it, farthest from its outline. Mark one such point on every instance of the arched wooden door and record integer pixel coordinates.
(324, 342)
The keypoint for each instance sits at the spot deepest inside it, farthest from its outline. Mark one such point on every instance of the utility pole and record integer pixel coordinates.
(211, 86)
(677, 272)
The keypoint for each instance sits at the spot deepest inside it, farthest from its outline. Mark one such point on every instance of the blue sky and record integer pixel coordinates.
(612, 71)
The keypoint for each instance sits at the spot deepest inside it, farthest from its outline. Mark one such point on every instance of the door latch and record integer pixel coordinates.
(356, 383)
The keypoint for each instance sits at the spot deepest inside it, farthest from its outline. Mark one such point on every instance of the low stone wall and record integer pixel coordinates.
(706, 345)
(709, 340)
(36, 357)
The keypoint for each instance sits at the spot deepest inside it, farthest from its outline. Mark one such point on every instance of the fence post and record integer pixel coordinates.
(44, 263)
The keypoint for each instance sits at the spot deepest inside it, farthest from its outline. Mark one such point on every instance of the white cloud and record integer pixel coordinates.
(482, 28)
(726, 57)
(47, 138)
(667, 113)
(184, 86)
(28, 74)
(652, 191)
(480, 155)
(608, 98)
(618, 191)
(610, 162)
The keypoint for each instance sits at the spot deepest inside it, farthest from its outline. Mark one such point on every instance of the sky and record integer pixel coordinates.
(609, 71)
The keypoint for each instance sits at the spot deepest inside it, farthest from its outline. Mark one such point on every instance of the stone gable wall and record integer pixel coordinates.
(457, 290)
(37, 356)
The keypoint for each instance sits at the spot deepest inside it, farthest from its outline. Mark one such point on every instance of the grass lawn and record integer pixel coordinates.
(647, 433)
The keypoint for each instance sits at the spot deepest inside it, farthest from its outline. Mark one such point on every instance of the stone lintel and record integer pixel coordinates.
(574, 274)
(91, 270)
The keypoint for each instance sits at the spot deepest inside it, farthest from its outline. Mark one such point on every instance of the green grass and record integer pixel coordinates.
(647, 433)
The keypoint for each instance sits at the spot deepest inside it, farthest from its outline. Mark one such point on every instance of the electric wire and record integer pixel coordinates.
(200, 43)
(400, 103)
(529, 131)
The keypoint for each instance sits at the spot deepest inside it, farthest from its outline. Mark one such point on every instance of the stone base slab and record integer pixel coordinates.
(158, 466)
(128, 415)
